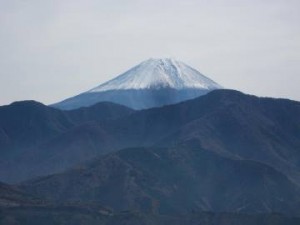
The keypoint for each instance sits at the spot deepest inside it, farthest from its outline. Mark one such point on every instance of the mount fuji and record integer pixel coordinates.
(152, 83)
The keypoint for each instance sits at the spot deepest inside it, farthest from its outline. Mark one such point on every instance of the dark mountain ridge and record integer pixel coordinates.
(28, 123)
(222, 152)
(226, 122)
(27, 128)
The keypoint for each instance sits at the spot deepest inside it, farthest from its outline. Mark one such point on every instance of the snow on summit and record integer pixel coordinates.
(152, 83)
(159, 73)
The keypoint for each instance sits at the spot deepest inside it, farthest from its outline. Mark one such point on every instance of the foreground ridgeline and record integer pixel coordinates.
(221, 158)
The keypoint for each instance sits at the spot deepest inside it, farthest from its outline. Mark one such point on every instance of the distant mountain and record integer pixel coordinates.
(152, 83)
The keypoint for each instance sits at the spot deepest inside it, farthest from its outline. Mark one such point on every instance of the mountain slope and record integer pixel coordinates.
(152, 83)
(98, 112)
(17, 207)
(226, 122)
(159, 73)
(27, 128)
(13, 197)
(62, 216)
(27, 123)
(171, 181)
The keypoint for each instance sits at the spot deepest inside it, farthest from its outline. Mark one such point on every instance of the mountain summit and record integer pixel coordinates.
(157, 74)
(152, 83)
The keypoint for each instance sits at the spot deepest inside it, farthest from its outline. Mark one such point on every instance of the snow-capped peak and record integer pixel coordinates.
(157, 74)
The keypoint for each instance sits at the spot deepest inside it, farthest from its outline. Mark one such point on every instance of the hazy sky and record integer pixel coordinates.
(54, 49)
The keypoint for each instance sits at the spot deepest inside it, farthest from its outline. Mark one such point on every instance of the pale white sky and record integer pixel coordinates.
(54, 49)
